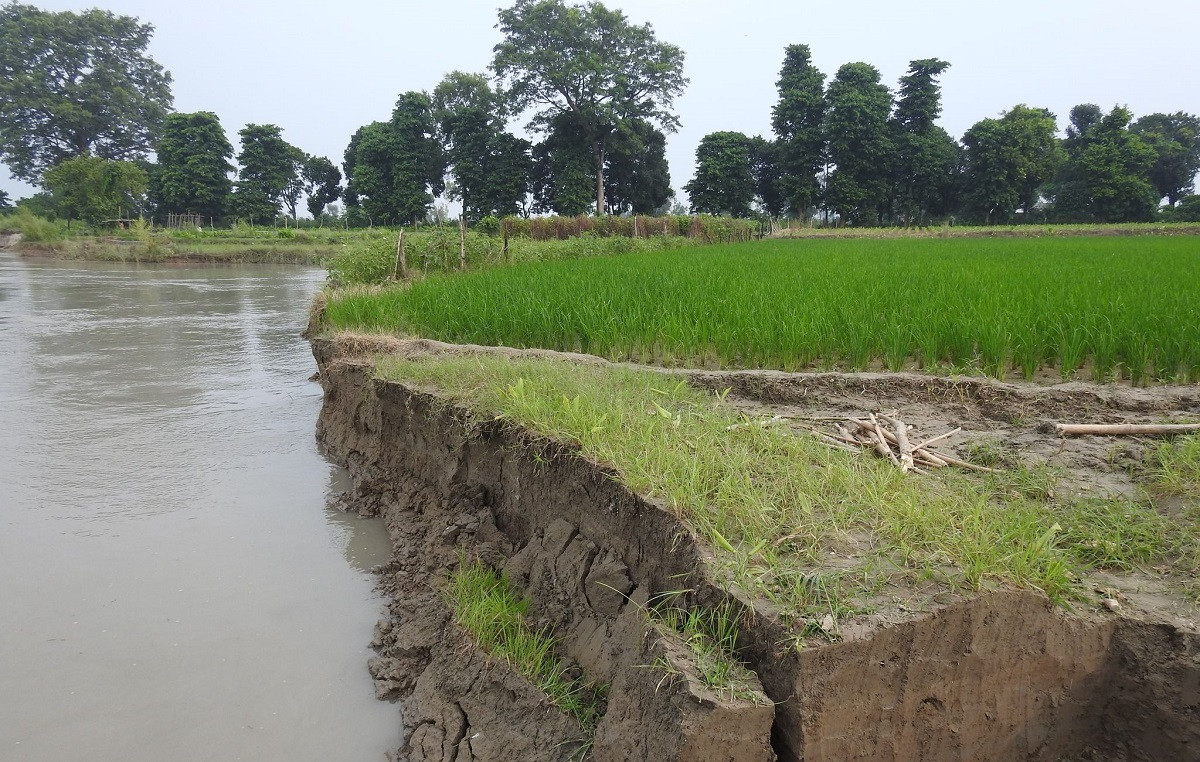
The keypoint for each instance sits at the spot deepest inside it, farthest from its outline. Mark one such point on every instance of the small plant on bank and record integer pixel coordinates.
(491, 612)
(711, 637)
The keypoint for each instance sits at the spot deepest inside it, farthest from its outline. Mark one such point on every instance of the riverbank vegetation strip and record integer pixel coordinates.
(816, 531)
(1100, 307)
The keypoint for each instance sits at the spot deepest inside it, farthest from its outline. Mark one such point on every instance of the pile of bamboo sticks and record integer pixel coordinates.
(888, 437)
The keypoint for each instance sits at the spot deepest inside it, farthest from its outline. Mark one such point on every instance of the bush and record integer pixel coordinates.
(33, 229)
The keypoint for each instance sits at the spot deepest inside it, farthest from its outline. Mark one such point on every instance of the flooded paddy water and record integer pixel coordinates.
(173, 583)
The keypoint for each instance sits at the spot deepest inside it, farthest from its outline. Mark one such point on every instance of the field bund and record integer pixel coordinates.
(992, 675)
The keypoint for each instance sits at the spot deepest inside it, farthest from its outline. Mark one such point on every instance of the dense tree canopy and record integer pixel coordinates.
(268, 166)
(395, 168)
(858, 106)
(1008, 162)
(490, 166)
(563, 180)
(589, 62)
(93, 189)
(724, 181)
(75, 84)
(1175, 139)
(926, 157)
(1105, 177)
(322, 182)
(637, 176)
(796, 119)
(192, 173)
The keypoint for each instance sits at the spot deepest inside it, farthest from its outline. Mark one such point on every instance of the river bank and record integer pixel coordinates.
(925, 670)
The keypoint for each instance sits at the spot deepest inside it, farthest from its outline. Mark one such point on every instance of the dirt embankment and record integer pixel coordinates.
(1000, 676)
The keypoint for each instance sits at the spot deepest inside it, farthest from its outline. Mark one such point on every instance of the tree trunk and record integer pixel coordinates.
(599, 154)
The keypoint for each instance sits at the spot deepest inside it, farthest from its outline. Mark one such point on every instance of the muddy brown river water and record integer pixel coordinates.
(173, 584)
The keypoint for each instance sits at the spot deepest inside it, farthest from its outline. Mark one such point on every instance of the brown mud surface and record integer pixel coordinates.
(1001, 675)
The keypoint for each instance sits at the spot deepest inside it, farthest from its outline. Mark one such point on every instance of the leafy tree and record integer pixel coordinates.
(796, 120)
(562, 180)
(766, 165)
(93, 189)
(75, 84)
(1038, 153)
(589, 62)
(856, 130)
(724, 181)
(637, 176)
(395, 168)
(1175, 139)
(1106, 176)
(5, 203)
(268, 165)
(192, 174)
(490, 167)
(1188, 210)
(322, 184)
(926, 155)
(1008, 162)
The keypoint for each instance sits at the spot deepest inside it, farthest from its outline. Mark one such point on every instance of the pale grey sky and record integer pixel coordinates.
(320, 70)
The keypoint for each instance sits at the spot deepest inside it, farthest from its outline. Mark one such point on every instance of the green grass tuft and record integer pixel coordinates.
(487, 608)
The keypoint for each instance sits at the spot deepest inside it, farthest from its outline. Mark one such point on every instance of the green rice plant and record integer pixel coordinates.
(1075, 304)
(487, 608)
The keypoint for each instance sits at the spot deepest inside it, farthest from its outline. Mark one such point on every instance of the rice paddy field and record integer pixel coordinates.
(1099, 308)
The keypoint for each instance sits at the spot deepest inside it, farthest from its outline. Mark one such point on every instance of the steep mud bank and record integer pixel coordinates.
(1000, 676)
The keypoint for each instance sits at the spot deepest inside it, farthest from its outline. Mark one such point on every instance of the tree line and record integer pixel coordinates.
(82, 108)
(856, 152)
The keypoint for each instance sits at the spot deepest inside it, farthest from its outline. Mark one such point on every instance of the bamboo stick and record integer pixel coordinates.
(902, 443)
(1126, 429)
(938, 438)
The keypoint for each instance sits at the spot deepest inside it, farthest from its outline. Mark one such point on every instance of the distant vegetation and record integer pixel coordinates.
(598, 93)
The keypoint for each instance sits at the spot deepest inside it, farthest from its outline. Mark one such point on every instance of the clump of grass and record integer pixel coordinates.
(774, 504)
(33, 229)
(1111, 307)
(487, 608)
(1174, 467)
(711, 637)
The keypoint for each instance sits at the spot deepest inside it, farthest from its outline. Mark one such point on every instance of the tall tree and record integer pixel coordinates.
(590, 62)
(75, 84)
(395, 168)
(926, 155)
(796, 119)
(1106, 175)
(192, 174)
(322, 184)
(637, 176)
(5, 203)
(724, 181)
(766, 166)
(490, 167)
(856, 130)
(93, 189)
(268, 165)
(1009, 162)
(562, 179)
(1175, 139)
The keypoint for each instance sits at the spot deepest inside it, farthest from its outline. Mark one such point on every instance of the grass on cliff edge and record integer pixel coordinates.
(487, 608)
(814, 530)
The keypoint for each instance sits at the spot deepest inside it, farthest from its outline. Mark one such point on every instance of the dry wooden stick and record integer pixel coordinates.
(902, 443)
(964, 464)
(1126, 429)
(938, 438)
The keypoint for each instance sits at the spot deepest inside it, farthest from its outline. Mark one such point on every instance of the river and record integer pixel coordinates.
(173, 584)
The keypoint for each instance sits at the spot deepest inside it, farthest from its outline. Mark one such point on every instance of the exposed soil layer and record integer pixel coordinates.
(1003, 675)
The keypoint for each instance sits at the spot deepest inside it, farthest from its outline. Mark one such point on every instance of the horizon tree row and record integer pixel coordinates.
(860, 154)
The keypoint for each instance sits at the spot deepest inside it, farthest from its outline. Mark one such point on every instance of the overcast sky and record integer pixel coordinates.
(320, 70)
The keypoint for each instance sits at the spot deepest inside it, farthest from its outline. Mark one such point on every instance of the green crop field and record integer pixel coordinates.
(1104, 308)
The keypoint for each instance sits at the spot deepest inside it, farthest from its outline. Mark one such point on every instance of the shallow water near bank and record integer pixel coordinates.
(173, 582)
